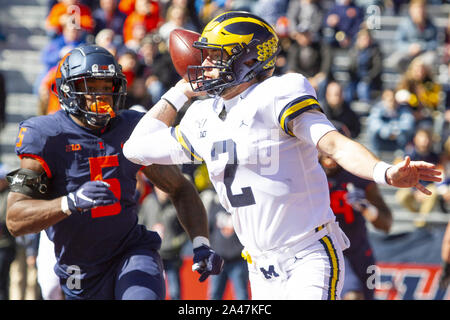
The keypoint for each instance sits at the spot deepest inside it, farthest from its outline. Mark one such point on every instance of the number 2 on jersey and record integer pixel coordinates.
(96, 165)
(246, 198)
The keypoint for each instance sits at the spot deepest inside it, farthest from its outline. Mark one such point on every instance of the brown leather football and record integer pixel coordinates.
(182, 52)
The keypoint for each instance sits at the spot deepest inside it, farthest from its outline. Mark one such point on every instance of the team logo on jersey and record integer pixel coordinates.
(73, 147)
(269, 274)
(201, 123)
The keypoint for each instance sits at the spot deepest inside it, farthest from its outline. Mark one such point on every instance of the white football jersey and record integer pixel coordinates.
(266, 177)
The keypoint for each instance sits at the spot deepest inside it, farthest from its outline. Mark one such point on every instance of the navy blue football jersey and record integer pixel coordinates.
(350, 220)
(72, 155)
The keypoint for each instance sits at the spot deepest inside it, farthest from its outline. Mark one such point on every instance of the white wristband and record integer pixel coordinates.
(379, 172)
(65, 206)
(199, 241)
(176, 97)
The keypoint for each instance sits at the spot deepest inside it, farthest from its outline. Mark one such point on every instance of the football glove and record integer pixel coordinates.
(90, 195)
(444, 281)
(206, 262)
(356, 198)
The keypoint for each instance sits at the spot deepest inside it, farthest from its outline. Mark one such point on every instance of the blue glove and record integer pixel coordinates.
(90, 195)
(206, 262)
(356, 198)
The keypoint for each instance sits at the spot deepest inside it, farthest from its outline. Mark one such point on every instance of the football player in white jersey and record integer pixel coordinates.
(259, 136)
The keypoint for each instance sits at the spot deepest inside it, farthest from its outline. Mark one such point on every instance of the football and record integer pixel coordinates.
(181, 51)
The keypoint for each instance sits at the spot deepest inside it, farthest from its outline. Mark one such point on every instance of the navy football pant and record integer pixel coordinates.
(137, 275)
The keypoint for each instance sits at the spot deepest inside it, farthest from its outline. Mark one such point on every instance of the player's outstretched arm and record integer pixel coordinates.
(357, 159)
(28, 214)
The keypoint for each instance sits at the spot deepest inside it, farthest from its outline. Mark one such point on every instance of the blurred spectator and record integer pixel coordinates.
(56, 49)
(158, 69)
(365, 68)
(176, 17)
(23, 273)
(108, 16)
(145, 12)
(105, 39)
(416, 35)
(305, 14)
(208, 9)
(157, 213)
(70, 38)
(342, 23)
(127, 6)
(138, 95)
(129, 62)
(446, 54)
(2, 101)
(48, 100)
(307, 55)
(138, 34)
(69, 12)
(225, 241)
(418, 88)
(421, 150)
(390, 125)
(7, 241)
(271, 10)
(445, 132)
(337, 109)
(242, 5)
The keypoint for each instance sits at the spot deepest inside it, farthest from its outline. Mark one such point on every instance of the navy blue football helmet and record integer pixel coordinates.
(73, 71)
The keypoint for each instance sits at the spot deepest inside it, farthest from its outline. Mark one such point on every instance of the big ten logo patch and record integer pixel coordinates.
(408, 281)
(73, 147)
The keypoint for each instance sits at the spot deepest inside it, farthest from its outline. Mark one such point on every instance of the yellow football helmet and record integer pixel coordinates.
(251, 45)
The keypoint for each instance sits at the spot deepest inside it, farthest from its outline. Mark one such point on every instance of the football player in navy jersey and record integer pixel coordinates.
(354, 201)
(75, 183)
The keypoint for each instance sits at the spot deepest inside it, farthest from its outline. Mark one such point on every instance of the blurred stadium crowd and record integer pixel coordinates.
(398, 99)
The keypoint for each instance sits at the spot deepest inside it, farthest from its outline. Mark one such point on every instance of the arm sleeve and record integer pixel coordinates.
(311, 126)
(153, 142)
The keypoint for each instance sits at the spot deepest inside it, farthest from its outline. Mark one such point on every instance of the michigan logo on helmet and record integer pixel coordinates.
(75, 70)
(248, 47)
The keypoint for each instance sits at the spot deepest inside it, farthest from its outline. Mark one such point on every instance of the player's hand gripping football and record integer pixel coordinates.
(206, 262)
(408, 173)
(90, 195)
